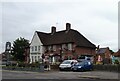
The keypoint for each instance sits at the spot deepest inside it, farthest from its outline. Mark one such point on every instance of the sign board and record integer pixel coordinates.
(8, 46)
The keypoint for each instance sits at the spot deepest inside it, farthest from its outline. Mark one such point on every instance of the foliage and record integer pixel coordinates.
(18, 50)
(35, 64)
(116, 62)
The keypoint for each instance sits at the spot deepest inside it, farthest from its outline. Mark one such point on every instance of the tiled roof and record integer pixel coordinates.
(61, 37)
(101, 50)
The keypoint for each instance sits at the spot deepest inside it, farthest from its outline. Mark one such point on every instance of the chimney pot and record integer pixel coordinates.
(98, 47)
(53, 29)
(68, 26)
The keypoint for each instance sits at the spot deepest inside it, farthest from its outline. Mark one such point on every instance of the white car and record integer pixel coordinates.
(67, 64)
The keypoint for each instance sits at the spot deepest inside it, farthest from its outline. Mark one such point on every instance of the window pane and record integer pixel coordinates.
(32, 48)
(70, 46)
(54, 47)
(39, 48)
(32, 58)
(35, 48)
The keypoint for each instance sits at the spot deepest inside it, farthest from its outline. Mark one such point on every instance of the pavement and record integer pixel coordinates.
(99, 75)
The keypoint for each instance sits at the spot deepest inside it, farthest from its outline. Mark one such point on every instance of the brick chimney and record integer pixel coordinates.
(53, 30)
(98, 47)
(68, 26)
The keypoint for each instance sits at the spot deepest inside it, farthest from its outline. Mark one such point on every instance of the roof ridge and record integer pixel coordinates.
(41, 32)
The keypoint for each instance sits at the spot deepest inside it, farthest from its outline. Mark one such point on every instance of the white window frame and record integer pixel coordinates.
(49, 48)
(70, 46)
(32, 48)
(35, 48)
(54, 47)
(39, 48)
(64, 46)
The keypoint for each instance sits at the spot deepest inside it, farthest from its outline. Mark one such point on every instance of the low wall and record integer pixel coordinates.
(34, 69)
(111, 68)
(54, 67)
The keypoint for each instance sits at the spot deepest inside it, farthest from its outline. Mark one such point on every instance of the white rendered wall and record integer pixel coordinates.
(35, 42)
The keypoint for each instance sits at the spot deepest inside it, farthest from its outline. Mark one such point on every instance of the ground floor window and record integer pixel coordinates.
(35, 58)
(50, 59)
(54, 59)
(69, 57)
(57, 58)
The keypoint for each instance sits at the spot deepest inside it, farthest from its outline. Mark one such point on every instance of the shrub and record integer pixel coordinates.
(116, 62)
(21, 64)
(35, 64)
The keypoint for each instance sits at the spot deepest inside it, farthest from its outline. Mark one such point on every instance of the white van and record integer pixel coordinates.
(67, 64)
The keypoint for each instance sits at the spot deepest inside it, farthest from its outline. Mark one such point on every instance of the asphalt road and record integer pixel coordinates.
(53, 76)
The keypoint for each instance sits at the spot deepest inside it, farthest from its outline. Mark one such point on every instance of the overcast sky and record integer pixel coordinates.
(97, 20)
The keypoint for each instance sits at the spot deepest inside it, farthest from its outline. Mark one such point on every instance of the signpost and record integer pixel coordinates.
(8, 51)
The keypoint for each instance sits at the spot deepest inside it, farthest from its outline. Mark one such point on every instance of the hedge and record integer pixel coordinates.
(113, 68)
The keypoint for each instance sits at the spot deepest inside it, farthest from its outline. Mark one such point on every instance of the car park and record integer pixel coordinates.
(83, 66)
(67, 64)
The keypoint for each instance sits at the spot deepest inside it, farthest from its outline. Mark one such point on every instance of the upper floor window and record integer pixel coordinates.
(49, 48)
(35, 48)
(39, 48)
(64, 46)
(54, 47)
(69, 46)
(32, 48)
(45, 49)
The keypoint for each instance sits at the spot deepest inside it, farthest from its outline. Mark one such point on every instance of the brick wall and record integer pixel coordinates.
(74, 53)
(83, 50)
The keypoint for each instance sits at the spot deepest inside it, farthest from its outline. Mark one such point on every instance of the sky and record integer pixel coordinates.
(97, 20)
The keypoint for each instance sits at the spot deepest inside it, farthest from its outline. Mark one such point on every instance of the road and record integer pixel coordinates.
(58, 76)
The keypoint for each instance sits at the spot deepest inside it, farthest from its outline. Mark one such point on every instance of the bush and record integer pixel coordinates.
(116, 62)
(21, 64)
(107, 67)
(36, 64)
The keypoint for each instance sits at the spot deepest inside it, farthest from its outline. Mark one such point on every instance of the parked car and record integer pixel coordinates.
(67, 64)
(82, 66)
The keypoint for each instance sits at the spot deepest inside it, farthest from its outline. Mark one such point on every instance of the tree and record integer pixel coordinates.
(19, 46)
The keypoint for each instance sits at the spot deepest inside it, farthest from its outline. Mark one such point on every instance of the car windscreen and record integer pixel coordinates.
(66, 62)
(84, 63)
(80, 63)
